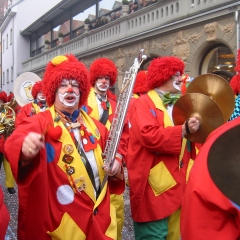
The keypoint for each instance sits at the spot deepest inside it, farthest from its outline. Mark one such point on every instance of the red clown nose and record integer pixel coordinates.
(70, 90)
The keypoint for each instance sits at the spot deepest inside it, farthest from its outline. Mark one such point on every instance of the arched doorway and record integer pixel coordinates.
(219, 60)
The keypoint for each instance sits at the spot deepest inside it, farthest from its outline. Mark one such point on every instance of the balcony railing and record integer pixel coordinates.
(130, 26)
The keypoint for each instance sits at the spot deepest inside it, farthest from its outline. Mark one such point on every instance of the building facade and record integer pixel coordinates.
(203, 33)
(18, 14)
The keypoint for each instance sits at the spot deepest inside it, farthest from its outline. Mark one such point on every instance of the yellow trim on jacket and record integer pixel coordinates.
(92, 103)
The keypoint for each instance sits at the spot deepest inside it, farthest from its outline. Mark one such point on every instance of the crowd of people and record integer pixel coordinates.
(55, 154)
(133, 7)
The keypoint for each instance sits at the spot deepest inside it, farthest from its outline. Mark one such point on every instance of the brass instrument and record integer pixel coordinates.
(7, 120)
(23, 87)
(204, 108)
(218, 89)
(115, 132)
(210, 98)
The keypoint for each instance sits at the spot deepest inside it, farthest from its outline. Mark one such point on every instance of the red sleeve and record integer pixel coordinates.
(13, 146)
(4, 216)
(147, 125)
(25, 112)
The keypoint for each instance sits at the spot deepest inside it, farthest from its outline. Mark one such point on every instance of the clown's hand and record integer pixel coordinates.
(115, 171)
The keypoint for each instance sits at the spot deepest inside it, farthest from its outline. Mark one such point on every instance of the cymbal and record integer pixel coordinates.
(224, 163)
(216, 88)
(204, 108)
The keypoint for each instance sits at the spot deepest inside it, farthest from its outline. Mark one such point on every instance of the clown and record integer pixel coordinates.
(103, 75)
(56, 156)
(9, 179)
(140, 85)
(154, 169)
(38, 105)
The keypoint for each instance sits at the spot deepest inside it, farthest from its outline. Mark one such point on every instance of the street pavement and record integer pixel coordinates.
(11, 201)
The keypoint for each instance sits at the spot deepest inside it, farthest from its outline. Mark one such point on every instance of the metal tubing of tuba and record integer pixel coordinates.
(7, 120)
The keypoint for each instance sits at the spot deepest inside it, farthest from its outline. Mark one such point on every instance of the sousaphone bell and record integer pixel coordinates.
(23, 87)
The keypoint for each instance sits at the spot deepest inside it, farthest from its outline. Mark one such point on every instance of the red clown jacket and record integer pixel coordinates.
(48, 203)
(206, 212)
(27, 110)
(156, 179)
(4, 216)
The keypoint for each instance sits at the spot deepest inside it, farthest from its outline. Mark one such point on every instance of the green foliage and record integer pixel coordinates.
(47, 42)
(125, 2)
(87, 21)
(60, 34)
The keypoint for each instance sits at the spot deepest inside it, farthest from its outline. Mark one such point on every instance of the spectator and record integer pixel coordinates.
(98, 23)
(146, 3)
(141, 4)
(92, 25)
(118, 15)
(152, 2)
(113, 16)
(130, 8)
(103, 21)
(135, 6)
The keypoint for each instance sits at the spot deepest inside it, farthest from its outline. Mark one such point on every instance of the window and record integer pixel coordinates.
(11, 36)
(7, 42)
(3, 47)
(3, 78)
(11, 74)
(177, 7)
(7, 76)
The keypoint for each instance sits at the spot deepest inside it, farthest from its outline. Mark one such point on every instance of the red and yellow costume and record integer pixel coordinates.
(206, 212)
(56, 186)
(9, 179)
(100, 68)
(158, 178)
(43, 186)
(156, 166)
(92, 108)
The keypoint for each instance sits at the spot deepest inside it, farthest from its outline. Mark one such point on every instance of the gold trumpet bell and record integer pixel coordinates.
(204, 108)
(218, 89)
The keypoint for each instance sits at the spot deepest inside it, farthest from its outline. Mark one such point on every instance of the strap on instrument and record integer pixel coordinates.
(90, 173)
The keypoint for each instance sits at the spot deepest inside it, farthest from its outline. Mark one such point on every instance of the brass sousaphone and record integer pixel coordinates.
(210, 98)
(23, 87)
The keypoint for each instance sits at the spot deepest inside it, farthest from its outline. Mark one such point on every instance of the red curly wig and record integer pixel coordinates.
(3, 96)
(161, 69)
(103, 67)
(65, 67)
(140, 85)
(234, 83)
(37, 88)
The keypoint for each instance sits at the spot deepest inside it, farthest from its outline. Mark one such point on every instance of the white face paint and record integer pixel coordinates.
(41, 97)
(176, 85)
(102, 87)
(69, 95)
(102, 84)
(176, 82)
